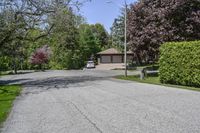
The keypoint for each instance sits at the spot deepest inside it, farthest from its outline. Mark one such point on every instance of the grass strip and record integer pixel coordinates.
(155, 80)
(8, 93)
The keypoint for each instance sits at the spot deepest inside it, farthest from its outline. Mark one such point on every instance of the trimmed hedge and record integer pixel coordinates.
(180, 63)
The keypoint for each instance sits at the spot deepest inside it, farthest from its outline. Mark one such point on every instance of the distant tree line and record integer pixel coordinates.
(27, 25)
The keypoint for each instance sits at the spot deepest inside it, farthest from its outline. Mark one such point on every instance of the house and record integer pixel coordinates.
(113, 55)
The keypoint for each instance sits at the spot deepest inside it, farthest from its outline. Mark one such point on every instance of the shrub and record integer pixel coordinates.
(180, 63)
(5, 63)
(41, 56)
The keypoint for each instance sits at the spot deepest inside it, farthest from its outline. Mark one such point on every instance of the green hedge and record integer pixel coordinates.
(180, 63)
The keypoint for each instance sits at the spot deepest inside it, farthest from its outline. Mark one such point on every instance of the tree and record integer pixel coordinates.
(11, 32)
(41, 56)
(64, 38)
(167, 20)
(89, 46)
(100, 34)
(117, 31)
(19, 18)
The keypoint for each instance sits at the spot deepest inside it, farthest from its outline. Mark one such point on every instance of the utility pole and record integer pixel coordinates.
(125, 38)
(125, 35)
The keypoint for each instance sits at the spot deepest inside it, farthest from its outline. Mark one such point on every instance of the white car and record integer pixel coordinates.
(90, 64)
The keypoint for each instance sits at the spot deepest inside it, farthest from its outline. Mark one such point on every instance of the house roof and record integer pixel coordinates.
(112, 51)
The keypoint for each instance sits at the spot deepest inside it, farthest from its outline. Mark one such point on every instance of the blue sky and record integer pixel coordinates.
(98, 11)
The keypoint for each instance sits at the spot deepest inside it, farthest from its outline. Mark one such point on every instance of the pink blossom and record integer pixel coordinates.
(41, 55)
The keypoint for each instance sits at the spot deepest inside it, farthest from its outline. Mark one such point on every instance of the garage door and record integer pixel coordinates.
(105, 59)
(117, 59)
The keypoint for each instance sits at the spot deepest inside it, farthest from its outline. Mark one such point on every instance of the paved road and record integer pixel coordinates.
(92, 102)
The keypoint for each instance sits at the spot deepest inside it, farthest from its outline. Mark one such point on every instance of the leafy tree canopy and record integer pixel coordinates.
(151, 23)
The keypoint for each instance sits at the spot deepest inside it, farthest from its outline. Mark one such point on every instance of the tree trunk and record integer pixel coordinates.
(14, 65)
(138, 60)
(41, 67)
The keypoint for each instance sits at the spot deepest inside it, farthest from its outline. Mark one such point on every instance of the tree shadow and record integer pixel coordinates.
(12, 81)
(54, 83)
(18, 73)
(60, 81)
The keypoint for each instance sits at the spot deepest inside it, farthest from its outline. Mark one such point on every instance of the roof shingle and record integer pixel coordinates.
(111, 51)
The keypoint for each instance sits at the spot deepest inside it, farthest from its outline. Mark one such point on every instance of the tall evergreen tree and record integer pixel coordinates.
(117, 31)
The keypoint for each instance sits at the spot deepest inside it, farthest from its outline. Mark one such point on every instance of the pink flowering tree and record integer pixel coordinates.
(41, 56)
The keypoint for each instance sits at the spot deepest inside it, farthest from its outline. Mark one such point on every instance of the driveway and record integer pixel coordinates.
(110, 66)
(93, 102)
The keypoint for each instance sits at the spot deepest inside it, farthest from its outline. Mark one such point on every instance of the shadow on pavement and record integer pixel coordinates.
(12, 81)
(60, 81)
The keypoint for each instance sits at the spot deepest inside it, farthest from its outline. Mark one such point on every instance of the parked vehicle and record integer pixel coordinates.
(90, 64)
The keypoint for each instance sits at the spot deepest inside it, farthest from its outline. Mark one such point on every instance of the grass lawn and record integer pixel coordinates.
(8, 94)
(155, 80)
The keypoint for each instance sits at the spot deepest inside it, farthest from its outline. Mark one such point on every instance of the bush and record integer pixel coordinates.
(5, 63)
(41, 56)
(180, 63)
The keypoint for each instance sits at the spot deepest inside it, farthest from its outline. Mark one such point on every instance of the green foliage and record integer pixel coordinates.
(59, 26)
(180, 63)
(117, 30)
(89, 44)
(5, 63)
(69, 60)
(100, 34)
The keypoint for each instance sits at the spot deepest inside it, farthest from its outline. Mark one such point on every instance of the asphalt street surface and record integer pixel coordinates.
(93, 102)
